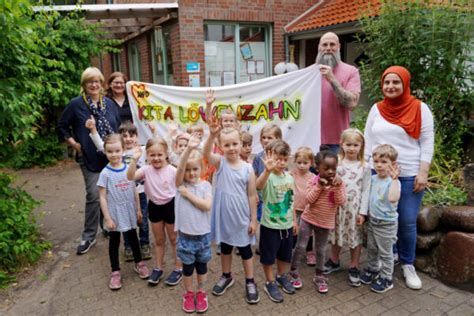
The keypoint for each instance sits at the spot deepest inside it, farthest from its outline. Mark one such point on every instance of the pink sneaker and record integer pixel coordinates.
(188, 302)
(115, 281)
(201, 302)
(142, 270)
(311, 258)
(295, 279)
(321, 283)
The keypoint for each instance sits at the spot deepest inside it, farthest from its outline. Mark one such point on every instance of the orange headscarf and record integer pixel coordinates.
(404, 110)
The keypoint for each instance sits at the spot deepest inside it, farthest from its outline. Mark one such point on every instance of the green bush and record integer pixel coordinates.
(41, 150)
(359, 118)
(434, 42)
(20, 243)
(42, 57)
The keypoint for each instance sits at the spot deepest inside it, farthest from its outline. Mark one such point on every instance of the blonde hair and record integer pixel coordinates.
(180, 136)
(195, 155)
(353, 132)
(112, 139)
(227, 111)
(89, 74)
(273, 129)
(305, 153)
(227, 131)
(385, 151)
(194, 129)
(156, 141)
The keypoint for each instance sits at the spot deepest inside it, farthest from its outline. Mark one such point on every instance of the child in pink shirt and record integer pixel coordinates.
(301, 174)
(325, 193)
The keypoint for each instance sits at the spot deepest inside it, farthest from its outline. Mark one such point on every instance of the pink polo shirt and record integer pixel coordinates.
(335, 117)
(160, 184)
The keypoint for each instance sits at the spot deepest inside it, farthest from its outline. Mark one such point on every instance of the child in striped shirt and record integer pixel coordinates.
(324, 194)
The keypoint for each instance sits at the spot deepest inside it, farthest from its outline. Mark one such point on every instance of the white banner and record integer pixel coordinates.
(292, 101)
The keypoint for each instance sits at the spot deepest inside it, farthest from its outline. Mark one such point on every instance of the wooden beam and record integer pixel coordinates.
(124, 14)
(122, 22)
(122, 29)
(149, 27)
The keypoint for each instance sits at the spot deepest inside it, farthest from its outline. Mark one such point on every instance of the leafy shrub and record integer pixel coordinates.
(434, 42)
(359, 117)
(20, 243)
(41, 150)
(42, 57)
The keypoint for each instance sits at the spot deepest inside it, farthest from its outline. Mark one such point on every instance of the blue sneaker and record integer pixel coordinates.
(285, 284)
(273, 292)
(381, 285)
(155, 276)
(174, 278)
(368, 276)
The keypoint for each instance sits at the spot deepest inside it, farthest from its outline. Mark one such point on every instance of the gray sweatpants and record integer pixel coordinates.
(92, 209)
(381, 236)
(321, 236)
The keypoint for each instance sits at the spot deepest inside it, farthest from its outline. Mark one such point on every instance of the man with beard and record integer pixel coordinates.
(340, 90)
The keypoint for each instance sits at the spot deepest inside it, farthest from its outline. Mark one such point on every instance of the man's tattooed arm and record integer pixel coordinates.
(346, 98)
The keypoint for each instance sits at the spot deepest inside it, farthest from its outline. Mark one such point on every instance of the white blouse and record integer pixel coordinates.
(410, 151)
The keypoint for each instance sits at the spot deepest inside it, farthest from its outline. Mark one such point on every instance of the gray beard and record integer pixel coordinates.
(328, 59)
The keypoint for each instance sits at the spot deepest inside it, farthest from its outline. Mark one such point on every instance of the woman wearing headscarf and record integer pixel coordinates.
(406, 123)
(72, 129)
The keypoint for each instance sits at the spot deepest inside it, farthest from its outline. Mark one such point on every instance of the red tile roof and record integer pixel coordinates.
(332, 12)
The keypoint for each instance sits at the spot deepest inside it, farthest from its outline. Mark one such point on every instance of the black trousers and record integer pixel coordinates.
(114, 245)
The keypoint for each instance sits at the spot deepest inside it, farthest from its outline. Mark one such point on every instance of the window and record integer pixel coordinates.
(162, 64)
(116, 65)
(236, 53)
(134, 62)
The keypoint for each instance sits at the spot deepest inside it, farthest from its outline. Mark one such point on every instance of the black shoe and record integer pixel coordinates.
(84, 246)
(251, 293)
(222, 285)
(354, 277)
(331, 266)
(105, 233)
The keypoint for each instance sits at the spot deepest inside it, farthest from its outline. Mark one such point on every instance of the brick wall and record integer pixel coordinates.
(188, 30)
(193, 13)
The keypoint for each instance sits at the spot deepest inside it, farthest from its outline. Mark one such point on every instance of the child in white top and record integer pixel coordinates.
(129, 134)
(355, 173)
(234, 220)
(160, 188)
(121, 208)
(193, 224)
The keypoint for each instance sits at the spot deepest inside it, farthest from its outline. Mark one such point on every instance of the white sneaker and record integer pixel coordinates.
(411, 278)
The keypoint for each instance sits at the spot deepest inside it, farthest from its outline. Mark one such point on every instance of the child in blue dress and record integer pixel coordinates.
(234, 207)
(121, 208)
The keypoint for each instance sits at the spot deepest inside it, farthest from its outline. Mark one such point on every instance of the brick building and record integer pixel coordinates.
(232, 41)
(220, 42)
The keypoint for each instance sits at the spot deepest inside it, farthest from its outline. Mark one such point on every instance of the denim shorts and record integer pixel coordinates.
(190, 248)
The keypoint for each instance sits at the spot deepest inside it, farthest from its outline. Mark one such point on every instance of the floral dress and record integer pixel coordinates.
(356, 176)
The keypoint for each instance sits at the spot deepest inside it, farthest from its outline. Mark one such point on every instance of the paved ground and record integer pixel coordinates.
(66, 284)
